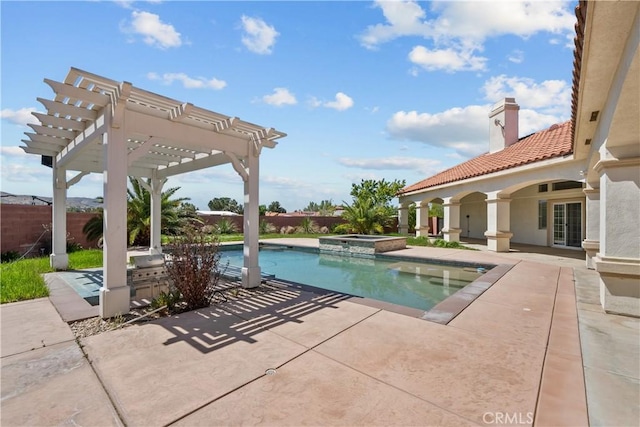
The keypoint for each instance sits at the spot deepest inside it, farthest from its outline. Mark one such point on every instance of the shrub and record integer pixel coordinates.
(169, 299)
(9, 256)
(266, 227)
(287, 230)
(226, 226)
(194, 266)
(307, 226)
(343, 229)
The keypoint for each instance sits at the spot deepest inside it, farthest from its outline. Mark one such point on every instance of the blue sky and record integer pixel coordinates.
(364, 90)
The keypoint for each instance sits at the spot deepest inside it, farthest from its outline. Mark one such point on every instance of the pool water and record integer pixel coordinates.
(408, 283)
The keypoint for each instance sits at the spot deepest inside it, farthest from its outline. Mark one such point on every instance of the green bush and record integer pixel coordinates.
(226, 226)
(266, 227)
(9, 256)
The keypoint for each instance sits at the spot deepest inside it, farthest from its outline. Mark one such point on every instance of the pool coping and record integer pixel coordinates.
(71, 306)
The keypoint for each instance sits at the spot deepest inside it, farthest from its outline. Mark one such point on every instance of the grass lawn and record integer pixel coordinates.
(22, 280)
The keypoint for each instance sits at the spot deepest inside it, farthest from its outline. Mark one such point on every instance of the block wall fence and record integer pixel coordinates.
(22, 226)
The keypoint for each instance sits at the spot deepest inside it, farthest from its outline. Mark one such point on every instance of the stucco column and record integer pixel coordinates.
(155, 246)
(114, 293)
(422, 219)
(451, 230)
(403, 219)
(591, 244)
(59, 259)
(498, 223)
(618, 261)
(251, 269)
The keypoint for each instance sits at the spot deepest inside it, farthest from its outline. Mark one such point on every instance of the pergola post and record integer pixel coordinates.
(115, 293)
(59, 259)
(156, 217)
(251, 268)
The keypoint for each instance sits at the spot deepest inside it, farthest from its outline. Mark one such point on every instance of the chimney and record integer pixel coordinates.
(503, 124)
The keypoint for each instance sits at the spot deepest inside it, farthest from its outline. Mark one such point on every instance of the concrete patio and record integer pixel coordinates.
(519, 354)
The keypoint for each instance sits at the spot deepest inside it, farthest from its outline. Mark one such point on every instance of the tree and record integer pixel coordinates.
(174, 215)
(324, 208)
(364, 217)
(371, 209)
(262, 210)
(225, 204)
(275, 207)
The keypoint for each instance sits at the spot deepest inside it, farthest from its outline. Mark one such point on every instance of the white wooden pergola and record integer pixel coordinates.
(98, 125)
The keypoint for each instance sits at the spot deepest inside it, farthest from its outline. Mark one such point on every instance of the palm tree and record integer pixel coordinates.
(174, 214)
(364, 216)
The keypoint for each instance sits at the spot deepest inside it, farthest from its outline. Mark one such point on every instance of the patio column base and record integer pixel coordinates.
(619, 285)
(591, 247)
(451, 234)
(422, 231)
(251, 277)
(498, 241)
(59, 261)
(114, 301)
(403, 229)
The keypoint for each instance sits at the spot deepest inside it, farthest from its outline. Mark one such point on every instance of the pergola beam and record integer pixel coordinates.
(74, 92)
(64, 110)
(93, 131)
(60, 122)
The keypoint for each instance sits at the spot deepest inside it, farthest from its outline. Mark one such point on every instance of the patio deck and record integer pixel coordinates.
(519, 353)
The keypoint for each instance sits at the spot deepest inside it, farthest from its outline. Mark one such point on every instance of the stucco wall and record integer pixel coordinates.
(475, 206)
(524, 213)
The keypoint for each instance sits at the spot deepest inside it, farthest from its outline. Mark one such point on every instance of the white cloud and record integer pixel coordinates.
(19, 117)
(421, 165)
(458, 29)
(342, 102)
(21, 173)
(517, 56)
(13, 152)
(464, 130)
(154, 32)
(188, 82)
(280, 96)
(448, 59)
(549, 96)
(258, 37)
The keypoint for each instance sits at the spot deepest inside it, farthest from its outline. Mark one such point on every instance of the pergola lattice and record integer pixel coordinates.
(98, 125)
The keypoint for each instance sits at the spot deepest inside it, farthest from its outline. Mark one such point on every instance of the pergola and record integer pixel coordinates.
(98, 125)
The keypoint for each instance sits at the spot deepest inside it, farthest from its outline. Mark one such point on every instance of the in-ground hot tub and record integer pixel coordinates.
(361, 244)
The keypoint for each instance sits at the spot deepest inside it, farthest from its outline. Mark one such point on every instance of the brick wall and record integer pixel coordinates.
(22, 225)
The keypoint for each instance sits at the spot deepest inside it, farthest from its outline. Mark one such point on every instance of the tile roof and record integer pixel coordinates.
(555, 141)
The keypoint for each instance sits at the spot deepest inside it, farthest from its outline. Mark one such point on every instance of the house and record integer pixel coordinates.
(573, 185)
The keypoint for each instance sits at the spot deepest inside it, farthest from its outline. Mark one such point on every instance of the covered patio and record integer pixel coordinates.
(97, 125)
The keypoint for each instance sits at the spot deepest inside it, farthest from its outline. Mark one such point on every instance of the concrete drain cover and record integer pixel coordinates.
(270, 371)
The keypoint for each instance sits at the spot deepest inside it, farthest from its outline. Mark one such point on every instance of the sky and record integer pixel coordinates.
(363, 89)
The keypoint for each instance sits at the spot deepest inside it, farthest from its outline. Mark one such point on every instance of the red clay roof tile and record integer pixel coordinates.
(546, 144)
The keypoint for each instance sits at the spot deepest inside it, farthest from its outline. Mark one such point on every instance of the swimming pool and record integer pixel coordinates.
(399, 281)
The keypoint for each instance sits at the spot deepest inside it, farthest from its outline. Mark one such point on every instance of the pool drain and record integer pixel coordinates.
(270, 371)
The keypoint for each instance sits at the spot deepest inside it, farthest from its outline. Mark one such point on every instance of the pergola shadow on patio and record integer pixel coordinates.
(98, 125)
